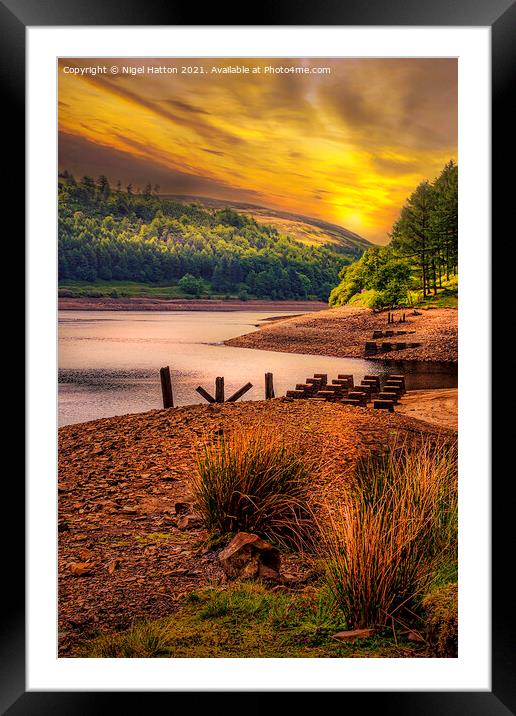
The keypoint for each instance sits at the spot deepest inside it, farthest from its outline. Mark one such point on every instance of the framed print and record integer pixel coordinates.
(254, 386)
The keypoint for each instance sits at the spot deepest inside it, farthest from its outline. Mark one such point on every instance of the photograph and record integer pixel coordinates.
(258, 276)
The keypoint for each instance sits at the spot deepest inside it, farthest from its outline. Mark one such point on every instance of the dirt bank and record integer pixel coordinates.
(344, 331)
(119, 480)
(173, 304)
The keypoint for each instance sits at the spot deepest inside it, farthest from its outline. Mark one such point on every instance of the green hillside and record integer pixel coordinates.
(112, 237)
(306, 229)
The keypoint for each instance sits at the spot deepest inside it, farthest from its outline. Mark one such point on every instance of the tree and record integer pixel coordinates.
(191, 285)
(413, 232)
(104, 188)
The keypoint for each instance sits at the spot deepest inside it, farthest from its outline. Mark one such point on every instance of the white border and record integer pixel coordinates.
(471, 671)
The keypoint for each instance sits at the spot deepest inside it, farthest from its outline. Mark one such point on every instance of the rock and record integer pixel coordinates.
(128, 510)
(268, 573)
(114, 565)
(182, 508)
(248, 556)
(81, 569)
(414, 636)
(354, 634)
(188, 522)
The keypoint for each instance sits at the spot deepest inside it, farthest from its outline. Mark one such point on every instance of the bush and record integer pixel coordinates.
(191, 285)
(397, 521)
(254, 481)
(440, 608)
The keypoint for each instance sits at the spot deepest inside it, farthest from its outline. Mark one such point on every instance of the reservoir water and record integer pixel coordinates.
(109, 361)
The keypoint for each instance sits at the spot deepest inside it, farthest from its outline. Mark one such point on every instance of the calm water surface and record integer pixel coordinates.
(109, 361)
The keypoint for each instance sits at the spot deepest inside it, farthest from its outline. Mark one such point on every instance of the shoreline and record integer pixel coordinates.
(184, 304)
(343, 332)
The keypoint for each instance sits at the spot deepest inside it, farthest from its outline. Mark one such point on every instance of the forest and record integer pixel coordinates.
(420, 263)
(115, 234)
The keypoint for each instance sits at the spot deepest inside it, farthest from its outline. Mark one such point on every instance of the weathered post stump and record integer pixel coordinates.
(269, 386)
(384, 405)
(219, 389)
(166, 387)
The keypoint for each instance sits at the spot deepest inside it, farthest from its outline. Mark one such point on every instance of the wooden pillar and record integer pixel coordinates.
(269, 386)
(166, 387)
(219, 390)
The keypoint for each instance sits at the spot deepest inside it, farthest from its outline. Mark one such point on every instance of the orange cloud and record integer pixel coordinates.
(347, 146)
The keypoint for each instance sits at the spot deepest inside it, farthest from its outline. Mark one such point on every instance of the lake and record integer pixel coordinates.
(109, 361)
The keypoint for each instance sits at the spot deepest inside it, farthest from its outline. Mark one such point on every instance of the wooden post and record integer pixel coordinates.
(240, 392)
(219, 390)
(269, 386)
(205, 394)
(166, 387)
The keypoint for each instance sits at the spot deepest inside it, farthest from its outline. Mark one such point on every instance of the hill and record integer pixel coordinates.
(112, 236)
(306, 229)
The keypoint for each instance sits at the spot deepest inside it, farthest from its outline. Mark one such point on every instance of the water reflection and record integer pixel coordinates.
(109, 362)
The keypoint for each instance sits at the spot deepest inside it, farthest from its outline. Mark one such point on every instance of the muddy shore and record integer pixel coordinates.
(180, 304)
(119, 481)
(438, 407)
(344, 331)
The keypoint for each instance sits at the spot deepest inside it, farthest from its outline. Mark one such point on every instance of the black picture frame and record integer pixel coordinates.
(500, 16)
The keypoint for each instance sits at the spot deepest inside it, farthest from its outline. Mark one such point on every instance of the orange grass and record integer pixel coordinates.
(397, 522)
(254, 481)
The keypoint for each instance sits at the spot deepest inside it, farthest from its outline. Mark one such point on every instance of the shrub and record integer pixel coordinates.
(254, 481)
(440, 607)
(397, 521)
(191, 285)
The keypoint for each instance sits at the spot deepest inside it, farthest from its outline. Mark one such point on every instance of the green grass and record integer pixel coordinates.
(245, 621)
(130, 289)
(366, 298)
(447, 296)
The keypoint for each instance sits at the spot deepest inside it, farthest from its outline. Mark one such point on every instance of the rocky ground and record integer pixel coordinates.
(126, 550)
(344, 331)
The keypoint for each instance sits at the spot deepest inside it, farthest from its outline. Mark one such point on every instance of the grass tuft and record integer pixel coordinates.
(254, 481)
(397, 523)
(143, 640)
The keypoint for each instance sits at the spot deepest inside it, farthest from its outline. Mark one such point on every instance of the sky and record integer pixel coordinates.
(343, 140)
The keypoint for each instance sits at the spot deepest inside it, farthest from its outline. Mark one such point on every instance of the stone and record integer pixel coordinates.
(182, 508)
(248, 556)
(268, 573)
(354, 634)
(81, 569)
(188, 522)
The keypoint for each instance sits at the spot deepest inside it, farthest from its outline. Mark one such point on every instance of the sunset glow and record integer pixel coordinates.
(347, 146)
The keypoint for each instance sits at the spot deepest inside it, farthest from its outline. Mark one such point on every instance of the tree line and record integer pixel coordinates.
(110, 234)
(422, 254)
(426, 233)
